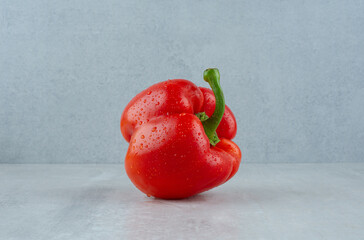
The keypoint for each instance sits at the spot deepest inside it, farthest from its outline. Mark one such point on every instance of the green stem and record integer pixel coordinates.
(212, 76)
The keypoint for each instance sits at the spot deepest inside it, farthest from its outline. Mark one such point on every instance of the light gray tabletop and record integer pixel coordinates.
(263, 201)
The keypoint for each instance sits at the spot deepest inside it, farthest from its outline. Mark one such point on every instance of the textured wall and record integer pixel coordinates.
(292, 72)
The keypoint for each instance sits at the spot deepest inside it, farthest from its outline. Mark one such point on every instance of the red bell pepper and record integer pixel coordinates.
(180, 138)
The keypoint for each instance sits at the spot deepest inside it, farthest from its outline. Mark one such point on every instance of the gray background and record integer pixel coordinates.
(292, 72)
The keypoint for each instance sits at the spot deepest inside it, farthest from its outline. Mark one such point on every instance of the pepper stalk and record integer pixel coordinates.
(210, 124)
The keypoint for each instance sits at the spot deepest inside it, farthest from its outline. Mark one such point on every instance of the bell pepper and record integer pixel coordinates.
(180, 138)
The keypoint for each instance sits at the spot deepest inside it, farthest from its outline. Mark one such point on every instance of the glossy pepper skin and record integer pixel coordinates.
(172, 153)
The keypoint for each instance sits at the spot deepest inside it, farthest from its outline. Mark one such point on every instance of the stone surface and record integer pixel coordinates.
(263, 201)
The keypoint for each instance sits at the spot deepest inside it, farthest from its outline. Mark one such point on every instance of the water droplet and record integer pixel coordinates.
(149, 92)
